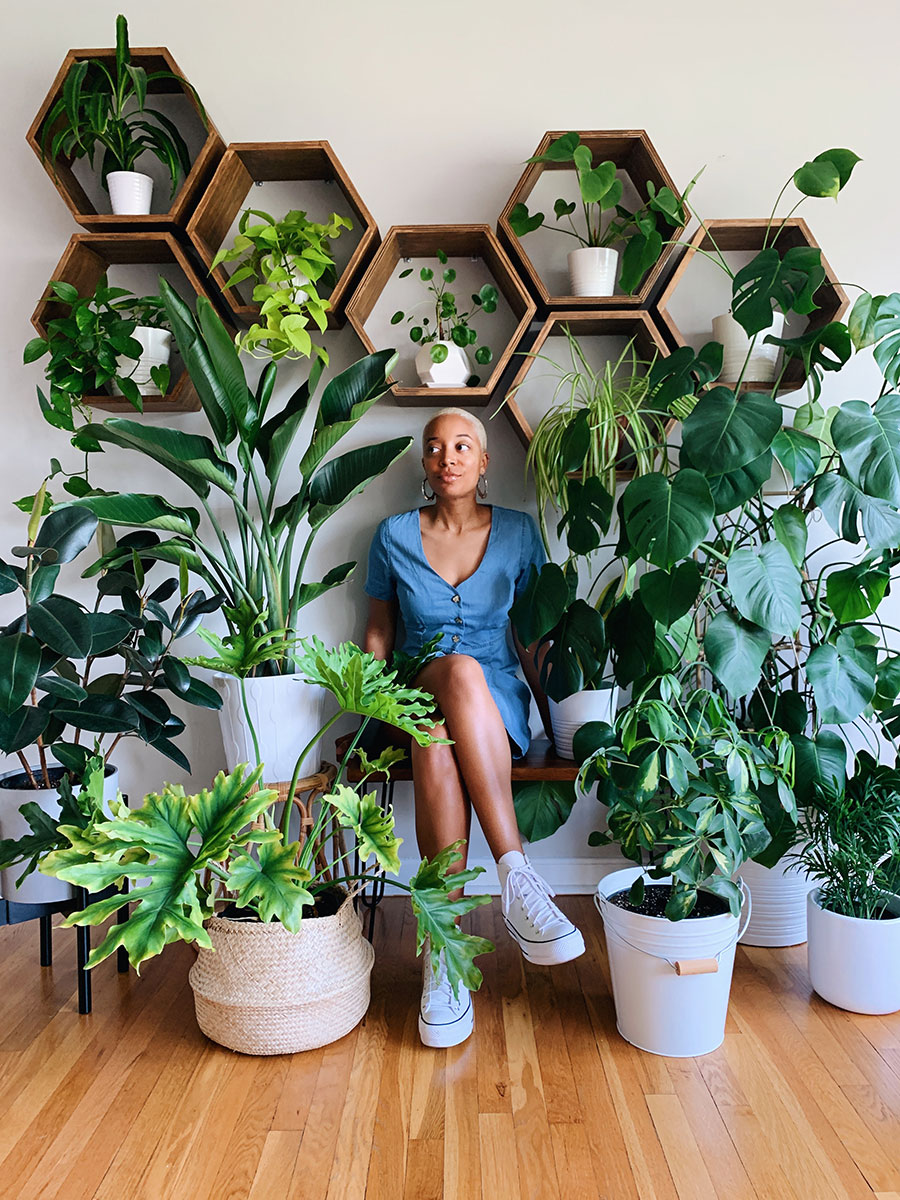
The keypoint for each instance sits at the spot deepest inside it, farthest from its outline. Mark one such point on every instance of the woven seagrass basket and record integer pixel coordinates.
(264, 990)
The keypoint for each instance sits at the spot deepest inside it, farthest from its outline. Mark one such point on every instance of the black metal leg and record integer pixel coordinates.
(46, 941)
(121, 918)
(83, 951)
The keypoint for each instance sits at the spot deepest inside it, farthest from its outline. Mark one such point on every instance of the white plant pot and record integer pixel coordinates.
(286, 712)
(453, 372)
(779, 904)
(657, 1009)
(593, 270)
(567, 716)
(157, 348)
(763, 363)
(37, 888)
(853, 963)
(130, 192)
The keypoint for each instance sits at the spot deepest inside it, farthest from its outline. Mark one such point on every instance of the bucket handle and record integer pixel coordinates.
(687, 966)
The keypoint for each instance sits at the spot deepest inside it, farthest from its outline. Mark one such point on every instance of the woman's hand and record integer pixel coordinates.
(531, 671)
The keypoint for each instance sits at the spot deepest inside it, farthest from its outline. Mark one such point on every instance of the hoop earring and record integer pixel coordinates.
(481, 488)
(424, 492)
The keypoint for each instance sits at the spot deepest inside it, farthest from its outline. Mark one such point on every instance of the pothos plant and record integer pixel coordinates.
(291, 262)
(447, 322)
(223, 846)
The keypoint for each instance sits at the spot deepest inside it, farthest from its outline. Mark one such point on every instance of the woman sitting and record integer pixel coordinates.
(454, 568)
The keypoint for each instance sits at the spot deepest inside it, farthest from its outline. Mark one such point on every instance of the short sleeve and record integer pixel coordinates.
(532, 553)
(380, 583)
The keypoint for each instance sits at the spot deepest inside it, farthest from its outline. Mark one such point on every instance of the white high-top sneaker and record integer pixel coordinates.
(444, 1019)
(545, 935)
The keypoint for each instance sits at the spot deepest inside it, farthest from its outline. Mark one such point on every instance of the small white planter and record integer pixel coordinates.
(37, 888)
(130, 192)
(286, 712)
(763, 363)
(779, 904)
(156, 345)
(671, 979)
(453, 372)
(855, 964)
(567, 716)
(593, 271)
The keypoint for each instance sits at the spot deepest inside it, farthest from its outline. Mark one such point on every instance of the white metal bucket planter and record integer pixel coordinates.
(671, 979)
(779, 904)
(855, 963)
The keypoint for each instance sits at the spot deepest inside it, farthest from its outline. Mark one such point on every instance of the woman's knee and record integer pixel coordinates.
(452, 673)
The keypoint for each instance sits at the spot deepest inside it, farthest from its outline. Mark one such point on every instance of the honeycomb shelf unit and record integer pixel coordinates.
(638, 162)
(91, 255)
(245, 164)
(636, 325)
(474, 242)
(207, 150)
(746, 237)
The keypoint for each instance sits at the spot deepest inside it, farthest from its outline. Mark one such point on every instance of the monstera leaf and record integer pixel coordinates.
(371, 825)
(765, 586)
(665, 520)
(843, 679)
(735, 651)
(542, 808)
(845, 506)
(790, 282)
(271, 883)
(725, 432)
(868, 441)
(437, 916)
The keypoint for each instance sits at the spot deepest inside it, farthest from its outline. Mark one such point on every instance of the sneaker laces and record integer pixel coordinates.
(524, 883)
(436, 983)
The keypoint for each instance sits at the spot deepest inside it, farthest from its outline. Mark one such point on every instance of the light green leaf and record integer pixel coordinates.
(436, 917)
(843, 679)
(789, 526)
(666, 520)
(765, 586)
(271, 883)
(735, 651)
(372, 826)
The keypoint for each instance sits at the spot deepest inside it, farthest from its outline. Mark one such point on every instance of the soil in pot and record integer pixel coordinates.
(21, 783)
(327, 904)
(656, 897)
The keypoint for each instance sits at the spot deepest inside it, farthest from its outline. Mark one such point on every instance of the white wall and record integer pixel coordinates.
(432, 109)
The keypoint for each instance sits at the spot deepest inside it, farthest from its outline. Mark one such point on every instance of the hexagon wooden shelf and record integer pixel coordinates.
(633, 153)
(88, 257)
(247, 163)
(746, 237)
(209, 149)
(474, 242)
(639, 325)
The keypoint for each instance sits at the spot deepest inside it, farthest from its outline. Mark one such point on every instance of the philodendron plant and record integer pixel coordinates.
(184, 855)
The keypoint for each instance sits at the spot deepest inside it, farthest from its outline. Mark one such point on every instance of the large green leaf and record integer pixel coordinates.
(668, 595)
(276, 436)
(542, 808)
(765, 587)
(725, 432)
(665, 520)
(347, 397)
(67, 531)
(62, 625)
(790, 282)
(798, 453)
(22, 728)
(845, 506)
(827, 173)
(541, 604)
(735, 651)
(821, 761)
(854, 593)
(333, 578)
(343, 477)
(734, 488)
(372, 826)
(843, 679)
(271, 883)
(825, 349)
(868, 441)
(139, 511)
(20, 665)
(190, 456)
(577, 656)
(789, 526)
(437, 917)
(199, 364)
(227, 365)
(587, 514)
(98, 714)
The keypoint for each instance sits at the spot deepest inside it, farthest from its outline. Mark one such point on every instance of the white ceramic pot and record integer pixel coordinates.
(286, 712)
(676, 1010)
(567, 716)
(453, 372)
(37, 888)
(156, 345)
(130, 192)
(779, 904)
(593, 270)
(855, 964)
(763, 363)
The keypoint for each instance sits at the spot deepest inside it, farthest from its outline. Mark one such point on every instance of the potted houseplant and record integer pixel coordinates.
(290, 262)
(104, 112)
(445, 334)
(75, 681)
(242, 463)
(849, 845)
(152, 332)
(308, 977)
(593, 265)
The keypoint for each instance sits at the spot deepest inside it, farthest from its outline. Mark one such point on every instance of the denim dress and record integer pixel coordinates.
(473, 617)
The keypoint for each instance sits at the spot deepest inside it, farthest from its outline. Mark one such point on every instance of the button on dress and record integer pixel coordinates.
(472, 616)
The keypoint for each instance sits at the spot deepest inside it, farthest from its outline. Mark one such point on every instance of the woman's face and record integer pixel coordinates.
(452, 457)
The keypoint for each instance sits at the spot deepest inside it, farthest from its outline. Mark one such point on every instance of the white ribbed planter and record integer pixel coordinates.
(567, 716)
(658, 1009)
(855, 964)
(763, 362)
(593, 270)
(130, 192)
(156, 345)
(286, 712)
(779, 904)
(453, 372)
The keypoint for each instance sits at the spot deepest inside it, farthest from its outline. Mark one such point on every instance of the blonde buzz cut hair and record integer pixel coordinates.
(459, 412)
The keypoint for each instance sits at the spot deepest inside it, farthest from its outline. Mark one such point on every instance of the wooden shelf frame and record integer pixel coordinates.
(457, 241)
(733, 235)
(633, 153)
(634, 323)
(246, 163)
(87, 257)
(151, 58)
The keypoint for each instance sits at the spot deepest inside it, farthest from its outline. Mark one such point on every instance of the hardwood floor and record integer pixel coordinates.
(546, 1101)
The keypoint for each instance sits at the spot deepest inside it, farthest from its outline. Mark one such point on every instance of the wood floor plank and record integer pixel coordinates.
(311, 1170)
(692, 1181)
(502, 971)
(462, 1152)
(713, 1140)
(276, 1165)
(560, 1092)
(425, 1170)
(572, 1158)
(499, 1159)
